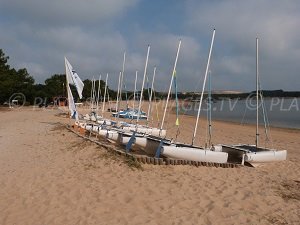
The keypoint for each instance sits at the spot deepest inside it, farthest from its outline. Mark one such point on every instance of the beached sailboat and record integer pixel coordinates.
(130, 114)
(192, 152)
(73, 79)
(118, 132)
(151, 138)
(253, 153)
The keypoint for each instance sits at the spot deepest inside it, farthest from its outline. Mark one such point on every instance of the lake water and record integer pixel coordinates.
(281, 112)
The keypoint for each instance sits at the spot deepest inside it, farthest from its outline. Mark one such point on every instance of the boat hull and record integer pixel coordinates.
(142, 141)
(148, 145)
(194, 154)
(113, 135)
(253, 155)
(147, 130)
(265, 156)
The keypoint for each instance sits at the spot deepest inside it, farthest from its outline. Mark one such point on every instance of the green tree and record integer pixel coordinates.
(14, 81)
(55, 85)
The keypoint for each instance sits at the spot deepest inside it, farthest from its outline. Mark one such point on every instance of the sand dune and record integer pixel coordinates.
(48, 175)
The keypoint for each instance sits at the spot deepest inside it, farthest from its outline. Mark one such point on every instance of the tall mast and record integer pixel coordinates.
(91, 98)
(170, 87)
(122, 76)
(257, 134)
(150, 97)
(117, 104)
(141, 95)
(98, 93)
(203, 87)
(136, 72)
(93, 93)
(105, 89)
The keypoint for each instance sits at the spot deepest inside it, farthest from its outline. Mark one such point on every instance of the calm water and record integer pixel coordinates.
(281, 112)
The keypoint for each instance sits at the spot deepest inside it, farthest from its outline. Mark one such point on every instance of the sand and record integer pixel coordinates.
(49, 175)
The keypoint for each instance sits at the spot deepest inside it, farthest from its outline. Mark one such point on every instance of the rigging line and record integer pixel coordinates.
(157, 116)
(266, 120)
(126, 96)
(149, 114)
(208, 103)
(151, 98)
(263, 109)
(176, 105)
(210, 107)
(176, 100)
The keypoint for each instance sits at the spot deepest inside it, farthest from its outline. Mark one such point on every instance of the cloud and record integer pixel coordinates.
(163, 48)
(93, 35)
(66, 11)
(238, 23)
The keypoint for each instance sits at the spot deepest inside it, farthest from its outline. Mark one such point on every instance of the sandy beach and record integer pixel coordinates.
(48, 175)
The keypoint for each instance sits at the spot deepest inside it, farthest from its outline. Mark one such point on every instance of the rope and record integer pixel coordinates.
(157, 116)
(266, 120)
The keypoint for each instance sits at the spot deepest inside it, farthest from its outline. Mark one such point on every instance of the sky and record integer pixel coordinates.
(94, 34)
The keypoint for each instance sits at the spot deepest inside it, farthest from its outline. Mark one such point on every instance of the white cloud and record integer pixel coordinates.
(238, 23)
(66, 11)
(94, 34)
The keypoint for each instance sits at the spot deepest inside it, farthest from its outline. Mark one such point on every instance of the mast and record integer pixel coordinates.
(136, 72)
(98, 93)
(122, 76)
(168, 97)
(105, 89)
(257, 134)
(201, 98)
(117, 104)
(150, 97)
(93, 93)
(141, 95)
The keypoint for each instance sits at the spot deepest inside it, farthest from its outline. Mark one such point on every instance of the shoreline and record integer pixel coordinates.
(238, 123)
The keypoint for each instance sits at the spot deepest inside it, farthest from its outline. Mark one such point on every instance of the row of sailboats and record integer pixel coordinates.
(153, 140)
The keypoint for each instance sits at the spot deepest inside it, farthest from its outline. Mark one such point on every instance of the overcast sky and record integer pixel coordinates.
(93, 34)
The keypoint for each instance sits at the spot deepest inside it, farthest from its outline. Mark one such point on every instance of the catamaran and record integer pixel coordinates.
(149, 139)
(254, 154)
(157, 145)
(192, 152)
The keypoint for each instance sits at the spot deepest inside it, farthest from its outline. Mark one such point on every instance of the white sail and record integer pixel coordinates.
(71, 104)
(73, 78)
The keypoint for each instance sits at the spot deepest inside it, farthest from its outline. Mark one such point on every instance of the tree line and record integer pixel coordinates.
(20, 81)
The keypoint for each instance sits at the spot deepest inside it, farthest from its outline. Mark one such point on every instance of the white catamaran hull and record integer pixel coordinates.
(148, 145)
(265, 156)
(113, 135)
(145, 142)
(147, 130)
(194, 154)
(254, 155)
